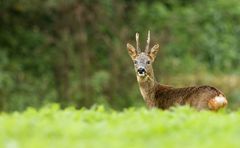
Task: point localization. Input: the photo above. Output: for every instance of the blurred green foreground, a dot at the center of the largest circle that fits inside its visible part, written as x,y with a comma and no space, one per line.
131,128
74,52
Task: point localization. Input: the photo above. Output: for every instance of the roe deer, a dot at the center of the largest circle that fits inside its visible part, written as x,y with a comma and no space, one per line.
163,96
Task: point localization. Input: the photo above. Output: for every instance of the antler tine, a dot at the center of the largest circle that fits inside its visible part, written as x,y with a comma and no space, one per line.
148,42
137,42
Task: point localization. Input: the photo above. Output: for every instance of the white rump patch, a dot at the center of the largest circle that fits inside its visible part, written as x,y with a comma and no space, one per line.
220,99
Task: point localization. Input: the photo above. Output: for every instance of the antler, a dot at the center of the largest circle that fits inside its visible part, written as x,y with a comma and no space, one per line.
148,42
137,43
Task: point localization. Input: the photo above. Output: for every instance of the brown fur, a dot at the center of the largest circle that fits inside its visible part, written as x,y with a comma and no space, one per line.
163,96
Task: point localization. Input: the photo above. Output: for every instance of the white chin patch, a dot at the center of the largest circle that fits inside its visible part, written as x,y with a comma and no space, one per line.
141,74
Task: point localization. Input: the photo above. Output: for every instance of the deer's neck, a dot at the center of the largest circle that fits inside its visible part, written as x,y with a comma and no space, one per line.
147,86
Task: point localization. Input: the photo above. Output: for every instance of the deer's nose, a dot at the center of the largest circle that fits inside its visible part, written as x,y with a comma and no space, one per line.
141,70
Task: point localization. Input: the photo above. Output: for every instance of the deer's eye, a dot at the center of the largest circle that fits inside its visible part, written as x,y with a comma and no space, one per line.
148,62
135,62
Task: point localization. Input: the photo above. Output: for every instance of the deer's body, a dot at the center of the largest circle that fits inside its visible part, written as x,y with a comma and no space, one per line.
163,96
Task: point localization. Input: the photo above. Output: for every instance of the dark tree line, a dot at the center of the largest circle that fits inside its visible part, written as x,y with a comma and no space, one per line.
73,52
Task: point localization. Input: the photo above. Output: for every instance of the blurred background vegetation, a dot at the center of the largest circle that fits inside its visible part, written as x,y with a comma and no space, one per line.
74,52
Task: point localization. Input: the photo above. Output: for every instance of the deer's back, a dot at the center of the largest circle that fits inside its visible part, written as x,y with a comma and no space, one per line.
200,97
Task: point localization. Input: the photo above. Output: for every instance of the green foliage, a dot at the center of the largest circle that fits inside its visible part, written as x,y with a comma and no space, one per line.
207,30
98,127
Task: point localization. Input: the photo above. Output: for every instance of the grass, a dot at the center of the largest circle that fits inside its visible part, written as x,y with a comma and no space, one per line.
179,127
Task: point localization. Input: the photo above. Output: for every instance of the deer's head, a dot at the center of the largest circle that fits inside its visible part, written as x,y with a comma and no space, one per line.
142,60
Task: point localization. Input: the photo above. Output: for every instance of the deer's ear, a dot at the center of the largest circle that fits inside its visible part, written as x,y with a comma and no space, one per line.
132,51
153,51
